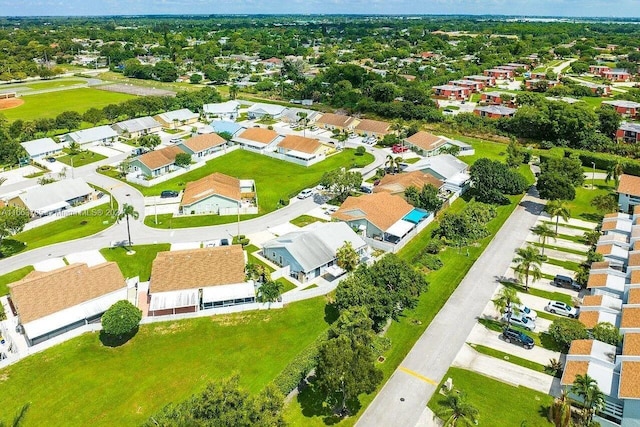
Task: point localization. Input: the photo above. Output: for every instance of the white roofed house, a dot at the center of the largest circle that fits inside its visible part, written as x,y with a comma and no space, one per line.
224,110
137,127
174,119
447,168
57,196
299,116
311,252
190,281
259,110
103,135
40,148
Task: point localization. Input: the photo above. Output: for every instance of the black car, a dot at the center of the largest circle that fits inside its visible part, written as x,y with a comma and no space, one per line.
511,335
166,194
566,282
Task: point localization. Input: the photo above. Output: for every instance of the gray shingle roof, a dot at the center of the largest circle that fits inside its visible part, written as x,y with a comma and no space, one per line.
138,125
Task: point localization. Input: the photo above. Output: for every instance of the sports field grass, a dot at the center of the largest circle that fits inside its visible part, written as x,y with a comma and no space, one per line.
53,84
53,103
83,383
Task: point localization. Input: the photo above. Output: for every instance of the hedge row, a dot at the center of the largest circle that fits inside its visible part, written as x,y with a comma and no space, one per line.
293,374
602,160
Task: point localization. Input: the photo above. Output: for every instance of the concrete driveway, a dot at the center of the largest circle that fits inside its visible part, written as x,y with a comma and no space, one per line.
90,258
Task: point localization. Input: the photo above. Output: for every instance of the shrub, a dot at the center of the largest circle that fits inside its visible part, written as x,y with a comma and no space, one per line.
360,150
563,331
299,368
434,246
122,318
432,262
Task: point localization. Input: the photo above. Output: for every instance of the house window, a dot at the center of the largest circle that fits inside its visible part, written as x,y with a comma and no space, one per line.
280,260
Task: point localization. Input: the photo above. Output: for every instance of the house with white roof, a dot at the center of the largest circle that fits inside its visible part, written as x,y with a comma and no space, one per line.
447,168
103,135
135,128
299,116
40,148
57,196
176,118
259,110
222,110
311,251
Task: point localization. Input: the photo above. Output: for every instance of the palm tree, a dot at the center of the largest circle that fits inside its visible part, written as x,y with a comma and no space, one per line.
504,299
544,232
528,262
457,411
558,209
18,420
614,172
591,237
592,397
560,411
126,212
233,91
270,291
398,128
389,163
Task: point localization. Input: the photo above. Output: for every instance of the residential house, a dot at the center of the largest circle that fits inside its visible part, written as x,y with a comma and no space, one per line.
337,121
311,251
598,70
628,132
222,110
617,75
135,128
398,183
301,148
600,90
625,108
202,146
97,135
51,303
155,163
223,126
190,281
628,192
425,143
54,197
299,116
498,98
516,65
534,84
372,128
258,139
499,73
447,168
451,92
472,85
176,118
539,75
38,149
494,111
218,194
260,110
487,81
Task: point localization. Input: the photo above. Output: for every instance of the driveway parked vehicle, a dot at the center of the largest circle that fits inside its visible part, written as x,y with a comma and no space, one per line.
167,194
526,311
398,148
566,282
307,192
559,307
518,319
51,159
512,336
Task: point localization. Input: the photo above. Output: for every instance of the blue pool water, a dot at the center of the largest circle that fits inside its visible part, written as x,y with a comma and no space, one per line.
416,215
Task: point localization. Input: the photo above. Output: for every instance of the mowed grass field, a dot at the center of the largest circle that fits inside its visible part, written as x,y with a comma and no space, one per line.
53,103
83,383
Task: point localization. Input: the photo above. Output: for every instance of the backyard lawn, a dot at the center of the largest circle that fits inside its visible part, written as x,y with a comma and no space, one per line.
51,104
304,220
498,404
81,382
80,159
581,207
13,276
138,264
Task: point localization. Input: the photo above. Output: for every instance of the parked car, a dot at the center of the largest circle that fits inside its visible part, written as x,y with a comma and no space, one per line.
366,189
512,336
167,194
175,140
526,311
51,159
518,319
559,307
307,192
370,140
566,282
398,148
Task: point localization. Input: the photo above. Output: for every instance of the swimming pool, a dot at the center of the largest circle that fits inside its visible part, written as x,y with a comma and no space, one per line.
416,215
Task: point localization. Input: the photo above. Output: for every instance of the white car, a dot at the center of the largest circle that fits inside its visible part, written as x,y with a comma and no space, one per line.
519,320
558,307
526,311
307,192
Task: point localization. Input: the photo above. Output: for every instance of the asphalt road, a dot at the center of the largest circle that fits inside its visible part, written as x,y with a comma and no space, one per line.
405,395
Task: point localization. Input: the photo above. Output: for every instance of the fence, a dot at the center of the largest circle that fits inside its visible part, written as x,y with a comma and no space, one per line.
393,248
297,161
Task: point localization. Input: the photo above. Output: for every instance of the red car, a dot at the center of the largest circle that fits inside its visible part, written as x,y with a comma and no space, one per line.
399,148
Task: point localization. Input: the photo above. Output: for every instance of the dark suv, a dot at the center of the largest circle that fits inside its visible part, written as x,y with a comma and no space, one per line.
167,194
511,335
566,282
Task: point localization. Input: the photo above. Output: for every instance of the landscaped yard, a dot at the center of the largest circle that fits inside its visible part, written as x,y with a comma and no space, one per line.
525,363
498,404
138,264
81,382
80,159
581,207
51,104
13,276
304,220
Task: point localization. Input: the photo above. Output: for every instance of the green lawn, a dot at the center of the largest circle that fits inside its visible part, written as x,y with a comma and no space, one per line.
483,148
81,382
13,276
507,357
569,265
557,248
167,221
71,227
498,403
53,103
555,296
56,83
138,264
581,206
304,220
80,159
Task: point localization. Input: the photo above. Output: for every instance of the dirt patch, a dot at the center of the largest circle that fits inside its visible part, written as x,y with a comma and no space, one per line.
231,319
4,377
10,103
171,328
136,90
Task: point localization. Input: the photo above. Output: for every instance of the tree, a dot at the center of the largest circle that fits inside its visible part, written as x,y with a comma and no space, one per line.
457,412
341,182
12,220
605,203
346,257
606,332
558,209
593,398
528,261
544,232
19,418
233,91
515,154
258,272
195,78
560,411
608,120
126,212
427,198
554,186
93,115
165,71
217,75
493,179
121,319
614,172
68,120
504,299
270,291
183,160
150,141
570,167
74,148
591,237
564,331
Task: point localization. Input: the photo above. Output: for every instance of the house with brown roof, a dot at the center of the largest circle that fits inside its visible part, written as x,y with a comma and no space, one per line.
301,150
204,146
372,128
425,143
628,193
397,183
258,139
333,121
52,303
219,194
156,162
193,280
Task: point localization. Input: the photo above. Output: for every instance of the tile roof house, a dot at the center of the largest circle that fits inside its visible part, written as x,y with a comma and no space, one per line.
156,162
202,146
137,127
425,143
218,194
54,197
375,128
628,192
54,302
176,118
258,139
97,135
397,183
311,251
41,148
301,148
337,121
192,280
628,132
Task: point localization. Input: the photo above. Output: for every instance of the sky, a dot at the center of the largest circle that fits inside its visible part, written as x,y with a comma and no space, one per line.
574,8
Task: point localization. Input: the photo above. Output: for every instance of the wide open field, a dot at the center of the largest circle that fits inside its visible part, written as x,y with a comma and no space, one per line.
53,103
